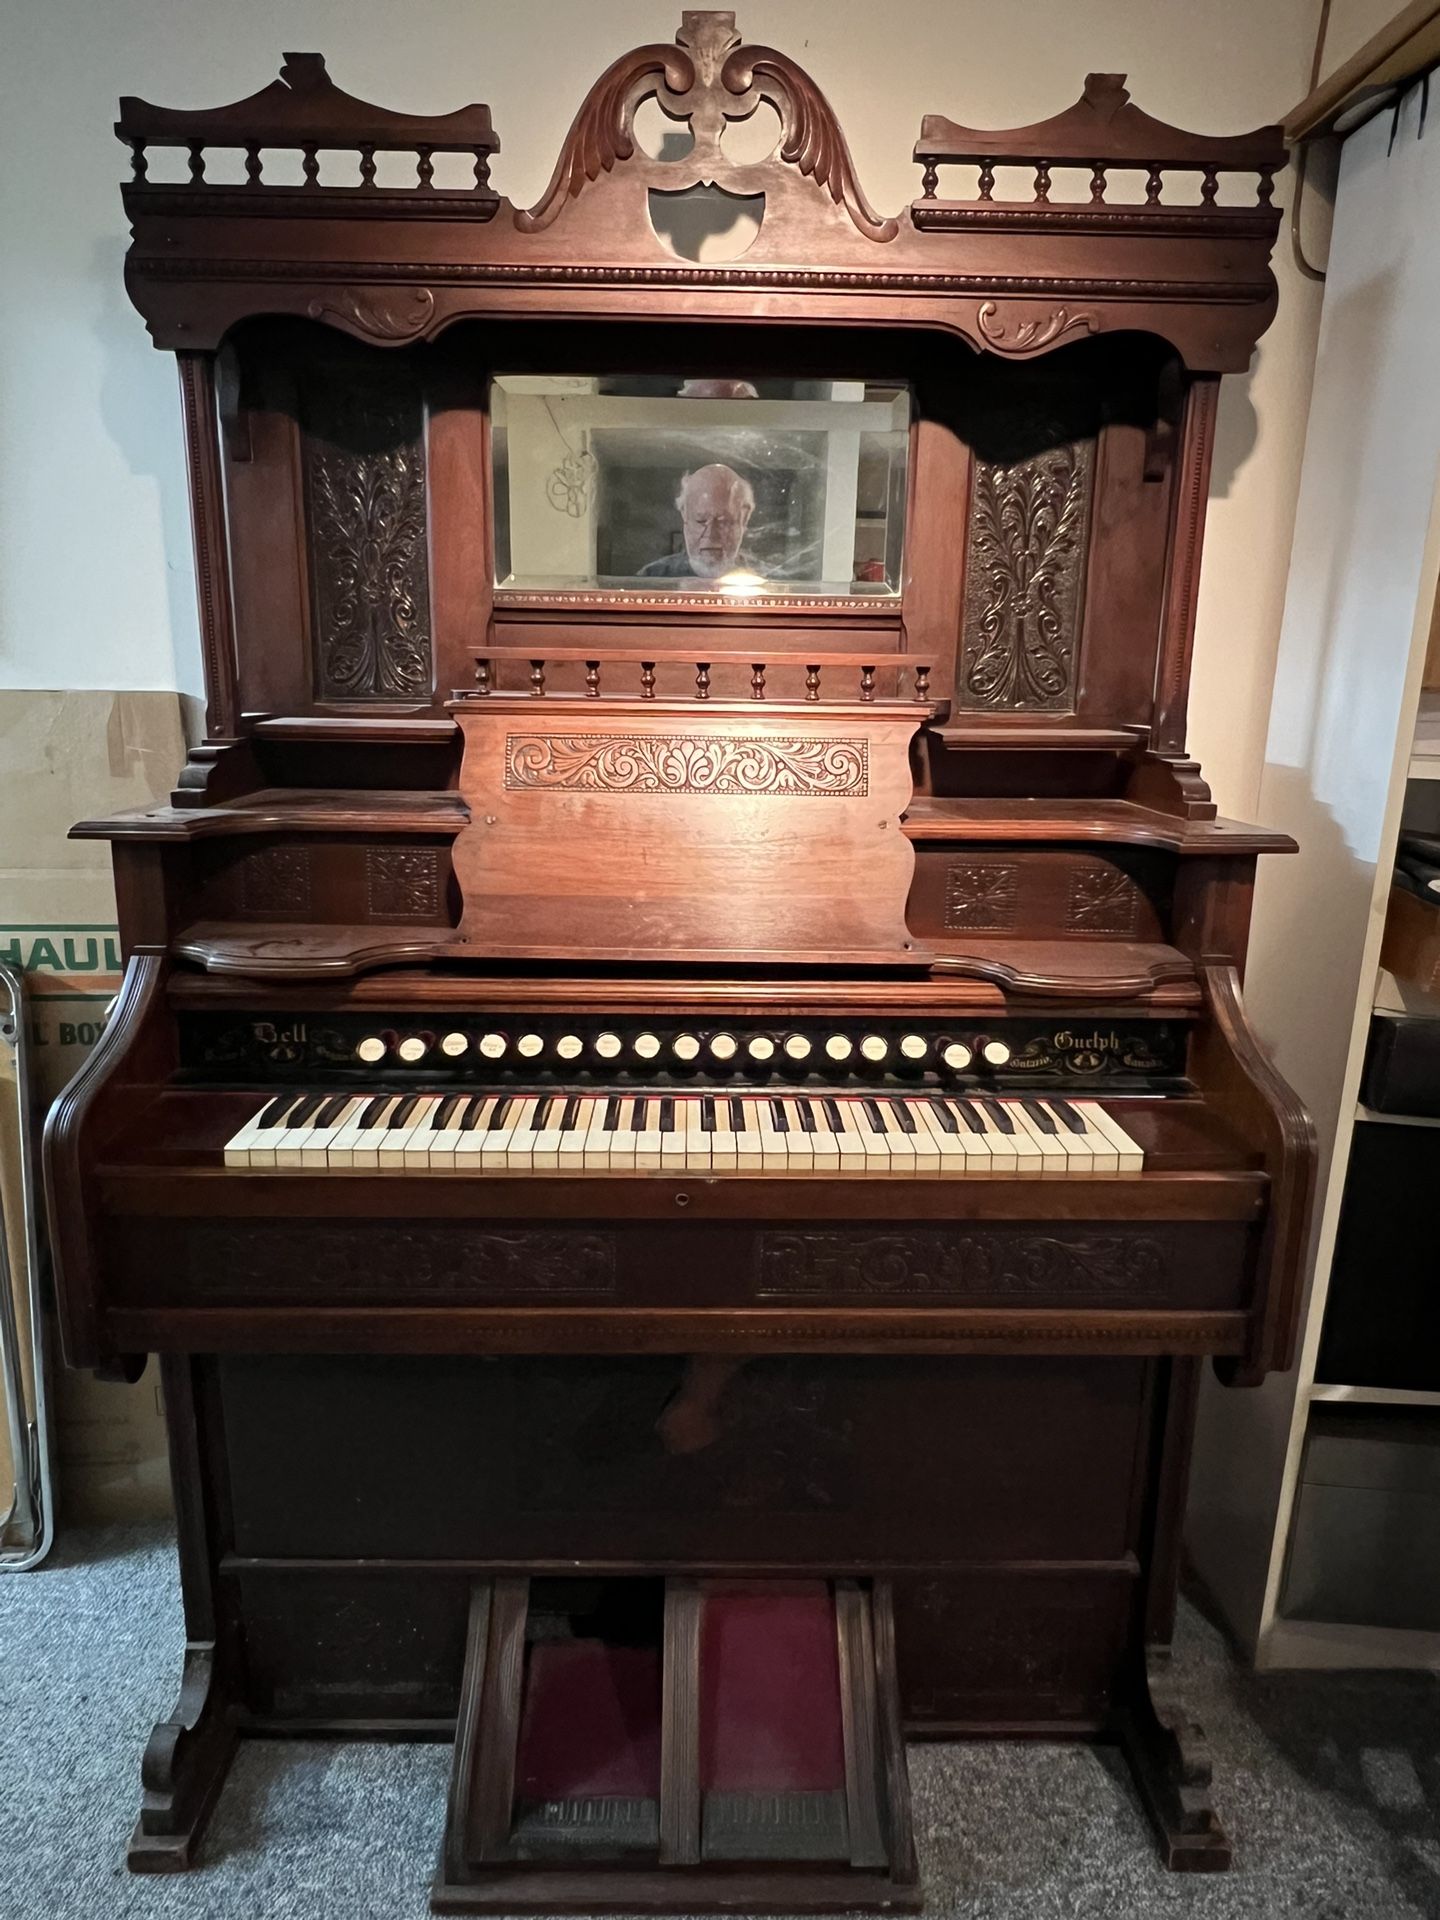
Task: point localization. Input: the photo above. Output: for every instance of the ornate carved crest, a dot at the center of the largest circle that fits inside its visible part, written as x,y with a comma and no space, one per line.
708,79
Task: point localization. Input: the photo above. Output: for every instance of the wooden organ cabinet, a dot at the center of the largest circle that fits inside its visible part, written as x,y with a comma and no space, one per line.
681,1115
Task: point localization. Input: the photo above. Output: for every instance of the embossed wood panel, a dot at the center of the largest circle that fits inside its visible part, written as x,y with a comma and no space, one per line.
365,497
1040,893
1026,549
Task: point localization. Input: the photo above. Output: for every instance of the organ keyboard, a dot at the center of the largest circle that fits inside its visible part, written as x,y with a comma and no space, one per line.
623,1132
801,975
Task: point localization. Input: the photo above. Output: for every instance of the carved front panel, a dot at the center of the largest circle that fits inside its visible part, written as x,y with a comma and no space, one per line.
1024,581
308,1263
365,500
982,895
937,1263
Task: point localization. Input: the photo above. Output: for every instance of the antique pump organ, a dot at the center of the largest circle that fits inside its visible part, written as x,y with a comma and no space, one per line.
681,1116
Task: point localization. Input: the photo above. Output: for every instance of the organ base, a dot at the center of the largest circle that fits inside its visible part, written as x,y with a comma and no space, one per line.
1032,1562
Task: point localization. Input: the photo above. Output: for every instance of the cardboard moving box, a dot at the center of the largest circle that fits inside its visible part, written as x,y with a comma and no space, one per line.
68,756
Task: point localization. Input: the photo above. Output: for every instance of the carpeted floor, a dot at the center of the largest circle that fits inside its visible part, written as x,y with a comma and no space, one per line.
1330,1787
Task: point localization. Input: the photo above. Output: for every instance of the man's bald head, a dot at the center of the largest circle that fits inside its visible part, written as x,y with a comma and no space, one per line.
715,506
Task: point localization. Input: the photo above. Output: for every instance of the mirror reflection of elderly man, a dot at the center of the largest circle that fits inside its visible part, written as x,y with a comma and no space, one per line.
715,506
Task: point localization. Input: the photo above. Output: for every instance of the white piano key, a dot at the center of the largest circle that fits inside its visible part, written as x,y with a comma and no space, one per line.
545,1151
315,1152
470,1147
951,1157
898,1140
571,1155
697,1141
441,1142
648,1137
238,1147
623,1136
824,1148
923,1141
745,1128
1012,1152
598,1135
503,1120
672,1144
1130,1156
519,1147
265,1141
1102,1155
873,1144
394,1145
774,1145
801,1143
1053,1157
724,1147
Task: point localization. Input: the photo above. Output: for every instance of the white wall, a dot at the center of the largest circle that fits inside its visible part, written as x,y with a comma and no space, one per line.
95,581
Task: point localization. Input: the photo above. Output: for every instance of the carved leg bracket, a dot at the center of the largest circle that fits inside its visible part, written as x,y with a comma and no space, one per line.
185,1763
1170,1762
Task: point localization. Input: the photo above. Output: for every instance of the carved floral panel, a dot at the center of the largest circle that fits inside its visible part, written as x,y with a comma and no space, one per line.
687,763
1103,899
402,883
981,896
940,1263
365,489
275,883
1024,580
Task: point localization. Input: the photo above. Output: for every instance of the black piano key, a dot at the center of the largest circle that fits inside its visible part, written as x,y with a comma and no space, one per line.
901,1111
1073,1120
374,1114
502,1111
274,1113
831,1110
996,1112
612,1114
874,1116
968,1115
779,1116
541,1116
570,1113
707,1113
304,1112
474,1107
667,1114
444,1114
403,1111
637,1116
332,1109
1045,1121
807,1116
737,1115
941,1110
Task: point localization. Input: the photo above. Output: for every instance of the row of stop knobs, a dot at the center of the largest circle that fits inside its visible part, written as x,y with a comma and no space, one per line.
760,1048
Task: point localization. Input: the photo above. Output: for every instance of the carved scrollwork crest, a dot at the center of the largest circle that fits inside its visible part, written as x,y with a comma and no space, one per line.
401,313
708,78
1027,336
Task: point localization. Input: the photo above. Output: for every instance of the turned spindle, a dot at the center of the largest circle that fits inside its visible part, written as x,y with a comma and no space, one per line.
592,679
482,676
757,680
537,678
647,679
867,683
812,683
702,680
922,683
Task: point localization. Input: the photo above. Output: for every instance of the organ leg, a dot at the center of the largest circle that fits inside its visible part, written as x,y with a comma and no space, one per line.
1166,1750
188,1754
